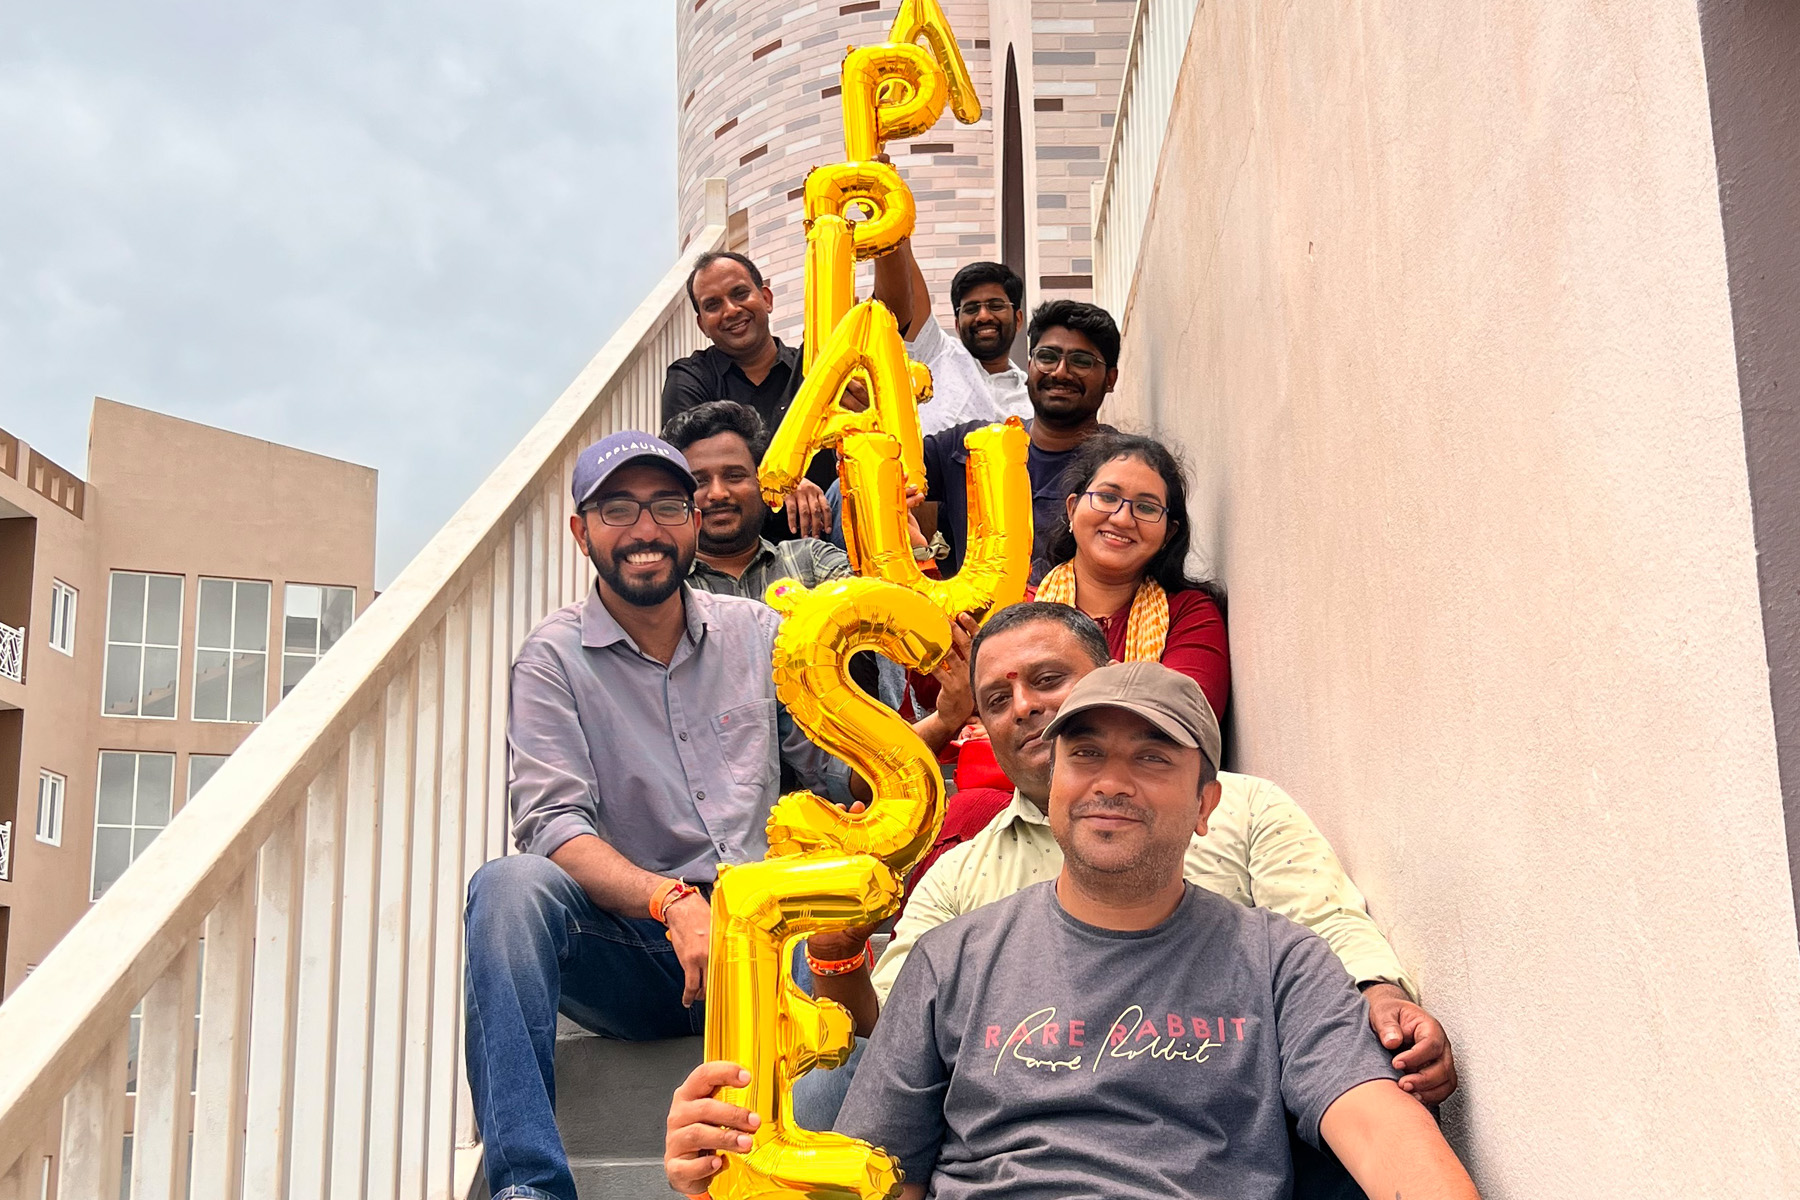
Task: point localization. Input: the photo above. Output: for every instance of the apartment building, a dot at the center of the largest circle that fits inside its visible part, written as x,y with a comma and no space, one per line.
150,616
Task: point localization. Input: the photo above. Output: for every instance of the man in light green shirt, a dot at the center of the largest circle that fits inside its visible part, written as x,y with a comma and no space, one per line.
1260,850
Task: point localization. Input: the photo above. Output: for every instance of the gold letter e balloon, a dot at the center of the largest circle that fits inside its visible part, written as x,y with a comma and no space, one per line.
828,869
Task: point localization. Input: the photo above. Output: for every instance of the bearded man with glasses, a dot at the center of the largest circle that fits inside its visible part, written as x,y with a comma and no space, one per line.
644,746
1073,365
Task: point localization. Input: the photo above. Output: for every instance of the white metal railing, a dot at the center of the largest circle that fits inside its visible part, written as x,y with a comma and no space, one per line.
12,653
325,865
6,849
1121,199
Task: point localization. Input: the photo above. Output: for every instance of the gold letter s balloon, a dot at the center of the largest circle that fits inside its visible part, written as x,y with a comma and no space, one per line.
829,869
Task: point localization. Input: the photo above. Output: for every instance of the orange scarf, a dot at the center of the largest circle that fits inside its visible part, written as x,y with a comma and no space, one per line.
1146,630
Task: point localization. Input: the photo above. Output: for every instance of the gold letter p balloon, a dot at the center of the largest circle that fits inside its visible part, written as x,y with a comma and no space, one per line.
828,869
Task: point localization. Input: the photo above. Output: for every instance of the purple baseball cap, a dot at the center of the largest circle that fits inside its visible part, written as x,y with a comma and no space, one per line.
596,464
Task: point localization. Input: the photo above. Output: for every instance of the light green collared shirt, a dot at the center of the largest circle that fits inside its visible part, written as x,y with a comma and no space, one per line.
1259,850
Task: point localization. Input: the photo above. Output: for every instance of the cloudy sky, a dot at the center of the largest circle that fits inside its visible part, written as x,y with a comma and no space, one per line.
382,231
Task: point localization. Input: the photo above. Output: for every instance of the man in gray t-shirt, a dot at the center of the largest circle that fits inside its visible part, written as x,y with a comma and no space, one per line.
1165,1060
1117,1031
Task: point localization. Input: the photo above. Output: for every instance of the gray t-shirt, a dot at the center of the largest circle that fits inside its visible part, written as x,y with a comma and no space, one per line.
1024,1053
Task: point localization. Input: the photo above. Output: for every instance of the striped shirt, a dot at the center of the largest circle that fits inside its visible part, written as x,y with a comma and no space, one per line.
808,560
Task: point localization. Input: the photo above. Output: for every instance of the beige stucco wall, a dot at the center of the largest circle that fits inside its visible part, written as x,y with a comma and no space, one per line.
1435,298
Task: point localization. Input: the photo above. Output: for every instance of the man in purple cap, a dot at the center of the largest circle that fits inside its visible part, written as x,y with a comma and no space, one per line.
645,743
645,748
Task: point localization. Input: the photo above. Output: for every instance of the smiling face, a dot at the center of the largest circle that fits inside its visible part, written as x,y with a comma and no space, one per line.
1126,799
1021,678
1119,544
987,335
1064,396
730,501
643,563
732,311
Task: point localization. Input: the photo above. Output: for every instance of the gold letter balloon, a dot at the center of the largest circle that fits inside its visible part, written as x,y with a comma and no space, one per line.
829,869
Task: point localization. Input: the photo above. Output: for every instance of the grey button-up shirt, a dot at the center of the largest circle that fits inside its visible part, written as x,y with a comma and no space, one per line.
675,767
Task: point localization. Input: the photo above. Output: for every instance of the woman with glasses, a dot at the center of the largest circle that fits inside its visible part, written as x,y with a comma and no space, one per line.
1120,556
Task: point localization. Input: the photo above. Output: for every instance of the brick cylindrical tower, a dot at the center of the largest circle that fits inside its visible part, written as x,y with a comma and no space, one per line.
758,93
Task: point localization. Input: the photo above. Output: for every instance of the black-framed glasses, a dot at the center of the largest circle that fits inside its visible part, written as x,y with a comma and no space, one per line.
974,308
623,510
1079,360
1147,511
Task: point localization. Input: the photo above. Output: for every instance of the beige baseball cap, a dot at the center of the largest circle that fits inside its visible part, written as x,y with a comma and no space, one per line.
1167,699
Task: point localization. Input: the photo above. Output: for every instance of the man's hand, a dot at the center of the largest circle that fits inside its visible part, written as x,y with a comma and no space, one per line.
855,397
690,925
914,498
1428,1064
808,512
956,699
700,1126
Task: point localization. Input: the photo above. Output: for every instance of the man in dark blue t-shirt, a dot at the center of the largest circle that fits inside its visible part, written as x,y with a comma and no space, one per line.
1116,1031
1073,364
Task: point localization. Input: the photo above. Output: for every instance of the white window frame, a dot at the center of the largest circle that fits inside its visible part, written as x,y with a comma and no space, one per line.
63,599
194,758
232,651
142,645
312,654
55,787
137,757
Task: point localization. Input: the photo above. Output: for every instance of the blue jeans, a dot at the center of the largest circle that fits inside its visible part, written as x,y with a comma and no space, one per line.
537,945
819,1094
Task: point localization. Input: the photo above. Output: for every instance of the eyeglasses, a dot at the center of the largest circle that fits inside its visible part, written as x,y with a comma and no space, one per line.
623,510
1048,356
974,308
1147,511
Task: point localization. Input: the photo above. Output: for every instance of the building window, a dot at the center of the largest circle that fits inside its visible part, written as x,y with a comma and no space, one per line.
50,807
316,618
143,643
202,767
130,809
231,651
62,617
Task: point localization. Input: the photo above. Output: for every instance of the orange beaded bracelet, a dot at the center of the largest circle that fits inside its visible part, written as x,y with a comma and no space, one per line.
667,893
841,966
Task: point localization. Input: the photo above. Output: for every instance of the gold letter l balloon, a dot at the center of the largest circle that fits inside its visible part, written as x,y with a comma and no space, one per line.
829,869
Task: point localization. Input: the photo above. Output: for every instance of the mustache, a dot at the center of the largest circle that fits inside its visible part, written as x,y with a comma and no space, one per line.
1109,806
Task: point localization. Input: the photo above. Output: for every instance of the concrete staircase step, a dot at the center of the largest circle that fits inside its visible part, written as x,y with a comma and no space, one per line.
620,1179
612,1100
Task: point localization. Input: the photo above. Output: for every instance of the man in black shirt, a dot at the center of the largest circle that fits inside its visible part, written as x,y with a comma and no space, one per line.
748,364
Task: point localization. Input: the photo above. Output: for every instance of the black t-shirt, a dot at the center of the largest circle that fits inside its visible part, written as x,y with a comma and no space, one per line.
710,374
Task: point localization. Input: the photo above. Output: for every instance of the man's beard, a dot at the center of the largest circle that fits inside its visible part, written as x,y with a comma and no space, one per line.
1151,867
650,593
749,531
987,353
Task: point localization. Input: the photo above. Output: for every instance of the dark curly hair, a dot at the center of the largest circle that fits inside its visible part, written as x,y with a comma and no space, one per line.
1089,320
1169,566
702,421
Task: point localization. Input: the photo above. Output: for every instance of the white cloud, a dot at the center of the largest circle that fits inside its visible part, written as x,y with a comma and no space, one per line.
386,232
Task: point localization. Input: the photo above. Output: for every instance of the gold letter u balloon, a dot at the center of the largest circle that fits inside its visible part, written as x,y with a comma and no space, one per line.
828,869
